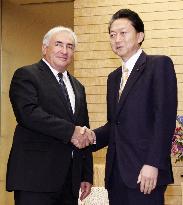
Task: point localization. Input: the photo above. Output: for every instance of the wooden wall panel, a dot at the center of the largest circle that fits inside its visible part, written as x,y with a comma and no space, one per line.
94,59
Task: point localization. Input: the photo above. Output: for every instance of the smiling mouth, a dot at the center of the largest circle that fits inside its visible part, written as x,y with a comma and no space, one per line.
63,58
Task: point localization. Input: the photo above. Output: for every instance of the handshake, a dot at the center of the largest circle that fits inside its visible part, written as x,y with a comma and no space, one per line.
83,137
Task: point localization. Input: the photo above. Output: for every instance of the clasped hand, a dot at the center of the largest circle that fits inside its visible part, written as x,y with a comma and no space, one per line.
83,137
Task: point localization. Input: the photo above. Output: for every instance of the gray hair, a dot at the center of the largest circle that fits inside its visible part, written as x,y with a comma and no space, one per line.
58,29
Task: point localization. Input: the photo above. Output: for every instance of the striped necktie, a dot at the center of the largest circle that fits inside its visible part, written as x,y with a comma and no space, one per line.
124,79
65,92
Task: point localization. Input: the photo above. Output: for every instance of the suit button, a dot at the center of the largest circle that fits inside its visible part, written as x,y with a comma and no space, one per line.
117,123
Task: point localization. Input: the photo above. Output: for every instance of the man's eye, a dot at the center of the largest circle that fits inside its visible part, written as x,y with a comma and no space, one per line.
58,44
112,35
70,47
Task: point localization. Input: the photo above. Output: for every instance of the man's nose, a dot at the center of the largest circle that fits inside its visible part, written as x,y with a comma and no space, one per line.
64,49
119,37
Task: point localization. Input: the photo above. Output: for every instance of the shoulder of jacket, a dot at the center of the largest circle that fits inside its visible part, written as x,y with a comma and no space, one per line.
28,70
76,81
158,57
115,72
29,67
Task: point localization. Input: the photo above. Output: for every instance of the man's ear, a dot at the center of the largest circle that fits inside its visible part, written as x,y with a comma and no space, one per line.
44,47
141,36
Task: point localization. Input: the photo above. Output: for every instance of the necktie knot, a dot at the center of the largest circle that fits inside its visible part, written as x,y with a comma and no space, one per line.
124,75
61,79
125,69
60,75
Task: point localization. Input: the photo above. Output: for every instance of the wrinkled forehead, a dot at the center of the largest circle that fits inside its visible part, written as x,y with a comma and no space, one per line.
63,36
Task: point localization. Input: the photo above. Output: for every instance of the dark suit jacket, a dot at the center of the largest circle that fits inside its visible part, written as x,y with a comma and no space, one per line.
140,127
41,152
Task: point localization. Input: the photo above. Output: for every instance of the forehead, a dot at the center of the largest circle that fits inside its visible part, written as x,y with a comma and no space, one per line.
121,24
63,36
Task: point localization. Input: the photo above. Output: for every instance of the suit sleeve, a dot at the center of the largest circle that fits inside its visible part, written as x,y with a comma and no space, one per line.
29,114
87,169
102,133
102,137
165,108
87,172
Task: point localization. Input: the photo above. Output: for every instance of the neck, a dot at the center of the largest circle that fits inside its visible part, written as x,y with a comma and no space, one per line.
59,69
125,59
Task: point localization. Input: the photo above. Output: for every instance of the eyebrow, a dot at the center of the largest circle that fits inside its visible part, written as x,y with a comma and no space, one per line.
70,44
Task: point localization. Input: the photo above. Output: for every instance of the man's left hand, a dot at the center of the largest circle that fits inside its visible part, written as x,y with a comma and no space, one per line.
85,190
148,178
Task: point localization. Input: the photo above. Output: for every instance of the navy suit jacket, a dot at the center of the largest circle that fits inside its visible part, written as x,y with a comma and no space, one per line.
140,126
41,152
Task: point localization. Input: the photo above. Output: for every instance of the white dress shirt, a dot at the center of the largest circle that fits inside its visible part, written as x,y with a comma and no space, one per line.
67,84
131,61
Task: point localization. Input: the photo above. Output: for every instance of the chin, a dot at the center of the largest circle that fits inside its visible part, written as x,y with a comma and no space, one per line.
120,54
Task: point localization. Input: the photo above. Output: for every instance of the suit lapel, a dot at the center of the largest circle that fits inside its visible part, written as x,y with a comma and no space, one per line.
50,79
116,85
77,93
134,76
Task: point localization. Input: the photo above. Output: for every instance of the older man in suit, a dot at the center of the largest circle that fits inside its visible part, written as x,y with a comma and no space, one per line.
141,116
45,167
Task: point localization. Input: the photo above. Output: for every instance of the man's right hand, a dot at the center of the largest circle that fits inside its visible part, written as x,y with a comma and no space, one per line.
83,137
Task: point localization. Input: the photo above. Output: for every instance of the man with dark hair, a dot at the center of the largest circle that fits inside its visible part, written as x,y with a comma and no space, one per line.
141,117
45,167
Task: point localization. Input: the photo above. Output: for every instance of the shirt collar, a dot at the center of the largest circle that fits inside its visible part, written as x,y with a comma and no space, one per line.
55,72
132,60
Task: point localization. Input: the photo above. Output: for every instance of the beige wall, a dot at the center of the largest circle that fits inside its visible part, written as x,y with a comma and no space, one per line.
23,27
94,59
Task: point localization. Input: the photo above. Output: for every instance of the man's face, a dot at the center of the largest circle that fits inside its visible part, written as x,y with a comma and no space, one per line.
124,38
60,50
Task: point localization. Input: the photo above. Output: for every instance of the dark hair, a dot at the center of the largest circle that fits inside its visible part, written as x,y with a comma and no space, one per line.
136,21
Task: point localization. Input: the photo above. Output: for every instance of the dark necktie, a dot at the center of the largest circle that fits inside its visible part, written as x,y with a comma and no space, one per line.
64,90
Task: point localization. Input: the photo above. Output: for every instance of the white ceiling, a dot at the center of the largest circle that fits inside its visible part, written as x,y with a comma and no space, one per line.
37,1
